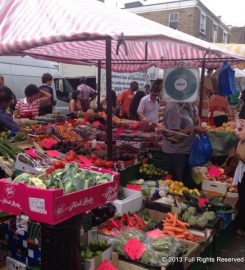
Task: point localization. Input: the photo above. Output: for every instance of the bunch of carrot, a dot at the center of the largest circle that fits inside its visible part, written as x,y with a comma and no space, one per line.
172,226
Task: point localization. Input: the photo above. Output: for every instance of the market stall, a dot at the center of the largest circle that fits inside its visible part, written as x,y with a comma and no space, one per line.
104,35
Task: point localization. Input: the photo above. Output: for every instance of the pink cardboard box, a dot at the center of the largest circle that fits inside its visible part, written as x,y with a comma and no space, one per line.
52,206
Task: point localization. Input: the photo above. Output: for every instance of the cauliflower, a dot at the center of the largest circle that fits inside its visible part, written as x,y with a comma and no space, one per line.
192,220
201,222
192,210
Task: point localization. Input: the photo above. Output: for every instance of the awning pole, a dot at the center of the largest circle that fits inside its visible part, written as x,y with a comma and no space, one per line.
202,85
99,84
108,98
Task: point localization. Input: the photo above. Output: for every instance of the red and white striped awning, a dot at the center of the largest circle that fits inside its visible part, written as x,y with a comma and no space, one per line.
58,29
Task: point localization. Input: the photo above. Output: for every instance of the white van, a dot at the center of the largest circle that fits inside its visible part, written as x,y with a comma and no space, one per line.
18,72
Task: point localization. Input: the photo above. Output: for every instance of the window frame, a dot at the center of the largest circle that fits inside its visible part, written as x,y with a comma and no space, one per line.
203,15
173,21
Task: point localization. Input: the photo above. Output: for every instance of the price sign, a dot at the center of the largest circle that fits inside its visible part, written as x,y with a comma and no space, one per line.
155,234
106,266
134,248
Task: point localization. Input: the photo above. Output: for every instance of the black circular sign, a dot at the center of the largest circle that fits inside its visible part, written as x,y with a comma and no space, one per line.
180,84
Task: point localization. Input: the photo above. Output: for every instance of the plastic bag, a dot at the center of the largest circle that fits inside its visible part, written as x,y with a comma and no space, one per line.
201,151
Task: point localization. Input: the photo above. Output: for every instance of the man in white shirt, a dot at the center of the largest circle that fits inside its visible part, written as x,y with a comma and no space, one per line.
149,106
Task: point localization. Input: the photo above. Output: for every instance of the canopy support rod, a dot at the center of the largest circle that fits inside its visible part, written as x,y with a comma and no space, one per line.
108,98
146,50
202,84
99,85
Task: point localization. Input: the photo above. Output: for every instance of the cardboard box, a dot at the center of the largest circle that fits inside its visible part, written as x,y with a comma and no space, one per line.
121,264
214,186
95,262
232,195
193,251
52,206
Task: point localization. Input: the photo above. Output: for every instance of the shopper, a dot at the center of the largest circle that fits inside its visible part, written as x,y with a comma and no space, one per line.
47,80
239,181
88,94
219,109
135,104
126,97
242,105
147,88
179,117
29,106
6,121
149,106
75,102
114,103
14,100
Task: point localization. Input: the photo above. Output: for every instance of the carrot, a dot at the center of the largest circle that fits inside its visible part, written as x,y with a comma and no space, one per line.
181,236
169,228
169,233
179,230
174,220
183,224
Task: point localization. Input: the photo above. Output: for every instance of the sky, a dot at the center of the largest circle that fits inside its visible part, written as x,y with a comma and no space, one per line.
231,11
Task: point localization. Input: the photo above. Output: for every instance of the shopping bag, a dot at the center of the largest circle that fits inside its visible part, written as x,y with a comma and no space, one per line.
201,151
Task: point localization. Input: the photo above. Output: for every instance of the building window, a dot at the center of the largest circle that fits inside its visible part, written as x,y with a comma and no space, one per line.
173,20
215,32
203,23
225,37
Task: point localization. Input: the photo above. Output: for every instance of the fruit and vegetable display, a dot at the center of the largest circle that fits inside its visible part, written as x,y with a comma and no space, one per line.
177,187
130,220
8,151
173,226
195,219
149,171
66,133
70,179
95,248
203,203
155,251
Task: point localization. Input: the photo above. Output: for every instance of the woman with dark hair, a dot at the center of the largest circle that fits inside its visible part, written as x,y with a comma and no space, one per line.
29,106
114,103
219,109
135,104
75,102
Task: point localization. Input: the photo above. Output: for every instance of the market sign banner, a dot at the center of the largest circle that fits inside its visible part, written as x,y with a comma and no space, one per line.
121,81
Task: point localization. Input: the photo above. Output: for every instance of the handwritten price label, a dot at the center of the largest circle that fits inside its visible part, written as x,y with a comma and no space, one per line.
134,248
106,266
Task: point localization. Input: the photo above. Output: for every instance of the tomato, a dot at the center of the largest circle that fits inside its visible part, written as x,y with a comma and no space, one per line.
109,164
103,163
93,156
97,163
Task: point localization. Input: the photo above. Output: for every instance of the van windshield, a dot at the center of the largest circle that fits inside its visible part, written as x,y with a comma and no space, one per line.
63,89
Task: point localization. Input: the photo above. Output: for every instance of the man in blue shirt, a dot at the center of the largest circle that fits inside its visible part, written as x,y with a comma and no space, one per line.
6,121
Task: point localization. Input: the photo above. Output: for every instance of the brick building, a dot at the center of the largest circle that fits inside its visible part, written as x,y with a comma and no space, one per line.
237,35
189,16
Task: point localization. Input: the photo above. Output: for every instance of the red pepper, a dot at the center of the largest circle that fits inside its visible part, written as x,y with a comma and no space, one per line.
130,221
141,223
114,223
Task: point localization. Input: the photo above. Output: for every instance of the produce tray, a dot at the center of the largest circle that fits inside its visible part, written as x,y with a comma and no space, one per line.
53,206
160,207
